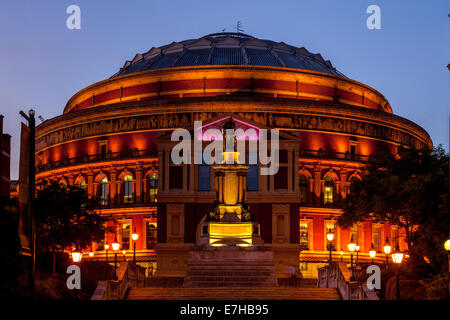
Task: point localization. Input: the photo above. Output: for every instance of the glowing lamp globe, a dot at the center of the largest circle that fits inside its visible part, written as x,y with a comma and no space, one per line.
134,235
330,236
124,252
397,256
447,245
351,246
357,247
115,246
76,256
106,246
91,254
372,252
387,247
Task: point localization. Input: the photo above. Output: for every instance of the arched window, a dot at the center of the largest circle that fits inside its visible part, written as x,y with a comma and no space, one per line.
353,180
126,227
153,187
63,183
303,187
328,192
82,184
150,235
280,225
104,191
128,189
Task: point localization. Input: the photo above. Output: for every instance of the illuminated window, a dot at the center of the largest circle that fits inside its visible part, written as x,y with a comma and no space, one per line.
150,235
83,184
153,187
303,187
353,145
103,148
304,235
63,183
104,191
303,266
376,237
330,227
128,189
354,233
100,245
328,192
394,236
126,236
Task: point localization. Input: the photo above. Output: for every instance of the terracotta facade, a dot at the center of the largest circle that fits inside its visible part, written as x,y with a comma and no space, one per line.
117,129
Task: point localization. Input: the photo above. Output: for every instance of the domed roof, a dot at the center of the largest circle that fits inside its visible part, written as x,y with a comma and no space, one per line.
227,49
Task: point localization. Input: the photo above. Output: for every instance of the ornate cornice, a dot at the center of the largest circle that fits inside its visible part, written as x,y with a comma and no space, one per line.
275,113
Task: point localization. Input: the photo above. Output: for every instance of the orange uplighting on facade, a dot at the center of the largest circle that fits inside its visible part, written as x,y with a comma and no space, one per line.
115,136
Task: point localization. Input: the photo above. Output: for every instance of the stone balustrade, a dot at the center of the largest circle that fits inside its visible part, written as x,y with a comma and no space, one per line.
128,274
337,276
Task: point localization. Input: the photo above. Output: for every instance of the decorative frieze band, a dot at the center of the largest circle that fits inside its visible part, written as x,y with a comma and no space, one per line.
185,120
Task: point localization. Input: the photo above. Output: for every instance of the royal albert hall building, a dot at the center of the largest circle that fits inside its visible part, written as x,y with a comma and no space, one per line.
113,139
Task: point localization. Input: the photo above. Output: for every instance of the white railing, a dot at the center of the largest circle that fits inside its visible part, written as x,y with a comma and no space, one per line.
333,277
128,274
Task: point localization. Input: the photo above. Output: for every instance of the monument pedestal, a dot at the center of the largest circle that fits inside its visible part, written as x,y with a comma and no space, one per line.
230,266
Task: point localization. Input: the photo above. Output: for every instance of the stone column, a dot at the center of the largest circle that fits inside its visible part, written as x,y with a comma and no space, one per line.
317,184
119,192
138,187
112,191
90,185
144,196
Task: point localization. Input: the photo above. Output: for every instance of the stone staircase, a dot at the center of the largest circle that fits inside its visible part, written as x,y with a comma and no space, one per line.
230,268
232,293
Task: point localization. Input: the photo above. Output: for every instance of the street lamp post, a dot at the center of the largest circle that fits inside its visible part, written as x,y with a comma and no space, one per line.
124,252
106,249
372,252
330,237
76,258
115,247
134,236
397,258
342,255
351,247
387,250
447,248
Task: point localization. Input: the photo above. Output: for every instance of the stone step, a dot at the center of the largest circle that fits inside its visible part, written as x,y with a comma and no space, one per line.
229,273
299,283
232,293
222,277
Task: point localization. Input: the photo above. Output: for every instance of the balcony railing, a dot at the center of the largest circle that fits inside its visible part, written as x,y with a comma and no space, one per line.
333,155
89,158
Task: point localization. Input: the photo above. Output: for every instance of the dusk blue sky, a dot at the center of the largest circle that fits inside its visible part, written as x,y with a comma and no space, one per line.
42,63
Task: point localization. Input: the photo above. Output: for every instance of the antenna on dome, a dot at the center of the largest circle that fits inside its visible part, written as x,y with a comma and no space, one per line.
239,28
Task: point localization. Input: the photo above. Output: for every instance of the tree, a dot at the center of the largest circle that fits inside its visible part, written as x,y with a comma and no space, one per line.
410,190
66,219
